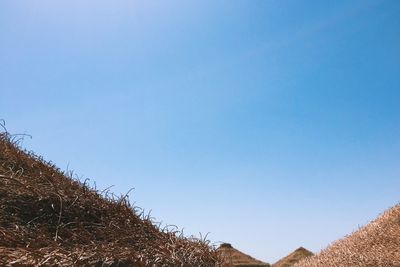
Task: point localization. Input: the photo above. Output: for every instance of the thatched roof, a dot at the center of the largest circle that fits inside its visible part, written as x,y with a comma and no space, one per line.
46,217
234,257
294,257
375,245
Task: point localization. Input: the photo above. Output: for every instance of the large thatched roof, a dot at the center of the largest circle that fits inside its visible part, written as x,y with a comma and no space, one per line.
375,245
48,218
294,257
236,258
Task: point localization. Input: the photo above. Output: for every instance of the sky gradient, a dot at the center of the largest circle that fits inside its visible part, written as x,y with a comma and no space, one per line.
269,124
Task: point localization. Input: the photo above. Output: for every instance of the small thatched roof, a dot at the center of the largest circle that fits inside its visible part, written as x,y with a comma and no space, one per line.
236,258
376,245
294,257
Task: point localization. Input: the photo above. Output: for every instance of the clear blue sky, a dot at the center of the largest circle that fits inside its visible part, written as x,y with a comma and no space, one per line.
270,124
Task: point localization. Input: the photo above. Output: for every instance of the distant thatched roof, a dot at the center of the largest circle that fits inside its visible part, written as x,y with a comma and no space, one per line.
375,245
236,258
293,257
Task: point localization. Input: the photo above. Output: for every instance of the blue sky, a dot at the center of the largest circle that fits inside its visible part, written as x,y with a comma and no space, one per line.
269,124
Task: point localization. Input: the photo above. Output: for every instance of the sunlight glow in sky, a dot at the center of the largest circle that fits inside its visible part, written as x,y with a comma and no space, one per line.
269,124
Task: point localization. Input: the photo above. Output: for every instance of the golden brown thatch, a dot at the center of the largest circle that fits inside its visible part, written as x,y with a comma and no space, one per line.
236,258
375,245
47,218
294,257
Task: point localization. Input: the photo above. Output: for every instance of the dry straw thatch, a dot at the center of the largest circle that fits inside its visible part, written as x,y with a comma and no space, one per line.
294,257
375,245
48,218
235,258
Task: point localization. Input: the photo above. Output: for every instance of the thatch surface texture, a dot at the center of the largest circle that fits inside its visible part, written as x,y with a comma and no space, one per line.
375,245
48,218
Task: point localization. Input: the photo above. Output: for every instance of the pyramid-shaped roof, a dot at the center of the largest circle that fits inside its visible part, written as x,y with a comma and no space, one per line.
293,257
236,258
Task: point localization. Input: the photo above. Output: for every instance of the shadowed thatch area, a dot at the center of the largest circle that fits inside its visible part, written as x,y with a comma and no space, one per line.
235,258
294,257
375,245
48,218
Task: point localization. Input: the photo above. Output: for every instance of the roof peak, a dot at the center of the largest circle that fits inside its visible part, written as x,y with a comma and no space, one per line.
226,245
